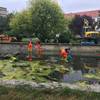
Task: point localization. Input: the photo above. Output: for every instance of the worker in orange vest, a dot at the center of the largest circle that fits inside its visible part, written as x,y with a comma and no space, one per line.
30,51
63,54
38,48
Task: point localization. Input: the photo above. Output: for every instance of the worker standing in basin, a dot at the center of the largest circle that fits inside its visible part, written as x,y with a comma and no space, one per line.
69,57
30,50
64,54
38,48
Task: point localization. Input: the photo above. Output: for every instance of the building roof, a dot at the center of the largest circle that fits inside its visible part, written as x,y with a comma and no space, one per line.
93,13
3,11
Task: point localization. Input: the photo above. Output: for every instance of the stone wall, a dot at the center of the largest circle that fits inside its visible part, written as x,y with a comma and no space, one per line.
12,48
51,85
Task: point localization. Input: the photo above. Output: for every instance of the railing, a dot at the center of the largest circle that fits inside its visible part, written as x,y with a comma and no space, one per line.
58,44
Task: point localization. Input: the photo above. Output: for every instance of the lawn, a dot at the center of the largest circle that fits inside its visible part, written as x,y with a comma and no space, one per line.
27,93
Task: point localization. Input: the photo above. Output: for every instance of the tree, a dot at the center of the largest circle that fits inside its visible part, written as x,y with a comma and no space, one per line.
77,25
47,19
42,17
9,17
3,22
21,24
66,35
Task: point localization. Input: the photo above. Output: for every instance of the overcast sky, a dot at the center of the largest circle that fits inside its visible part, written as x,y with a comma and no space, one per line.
67,6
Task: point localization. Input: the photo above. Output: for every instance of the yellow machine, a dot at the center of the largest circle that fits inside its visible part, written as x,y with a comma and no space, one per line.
92,34
90,37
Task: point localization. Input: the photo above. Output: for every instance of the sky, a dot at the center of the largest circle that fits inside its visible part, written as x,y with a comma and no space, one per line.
68,6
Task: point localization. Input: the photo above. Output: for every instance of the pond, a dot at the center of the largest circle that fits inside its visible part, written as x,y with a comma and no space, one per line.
44,71
35,70
92,61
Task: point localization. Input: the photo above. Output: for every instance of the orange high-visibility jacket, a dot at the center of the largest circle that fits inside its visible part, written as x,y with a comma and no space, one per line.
63,53
30,46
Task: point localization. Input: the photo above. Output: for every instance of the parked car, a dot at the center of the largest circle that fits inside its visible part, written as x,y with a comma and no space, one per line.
87,43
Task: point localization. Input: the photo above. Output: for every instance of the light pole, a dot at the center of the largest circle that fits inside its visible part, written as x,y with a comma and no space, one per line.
57,37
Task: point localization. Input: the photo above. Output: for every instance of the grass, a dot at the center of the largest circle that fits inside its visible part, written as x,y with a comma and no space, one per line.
27,93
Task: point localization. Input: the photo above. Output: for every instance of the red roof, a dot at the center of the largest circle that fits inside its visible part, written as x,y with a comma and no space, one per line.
93,13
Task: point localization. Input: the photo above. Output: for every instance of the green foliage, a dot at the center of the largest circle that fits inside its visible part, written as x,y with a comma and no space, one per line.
3,90
28,39
8,29
21,24
47,19
65,37
25,92
3,22
42,17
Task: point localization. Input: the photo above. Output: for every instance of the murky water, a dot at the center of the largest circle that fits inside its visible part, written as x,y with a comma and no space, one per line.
80,61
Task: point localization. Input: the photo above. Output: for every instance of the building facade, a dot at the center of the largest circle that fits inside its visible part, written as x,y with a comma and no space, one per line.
93,14
3,11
